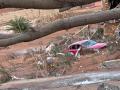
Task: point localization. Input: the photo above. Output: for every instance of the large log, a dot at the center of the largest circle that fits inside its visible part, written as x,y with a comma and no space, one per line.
64,81
42,4
5,36
63,24
47,20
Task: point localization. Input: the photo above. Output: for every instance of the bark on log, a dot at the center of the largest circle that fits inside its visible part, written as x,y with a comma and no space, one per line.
41,4
63,24
6,36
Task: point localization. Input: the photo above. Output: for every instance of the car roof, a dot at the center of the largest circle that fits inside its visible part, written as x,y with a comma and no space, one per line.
78,42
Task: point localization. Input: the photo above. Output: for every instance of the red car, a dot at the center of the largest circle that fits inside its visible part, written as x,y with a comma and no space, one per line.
75,48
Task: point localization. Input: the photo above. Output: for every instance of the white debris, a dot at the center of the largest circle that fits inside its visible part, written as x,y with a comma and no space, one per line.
16,78
40,63
81,66
86,82
49,49
61,54
50,59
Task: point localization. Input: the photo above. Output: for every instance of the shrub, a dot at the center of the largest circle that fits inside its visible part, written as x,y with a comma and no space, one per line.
19,25
4,76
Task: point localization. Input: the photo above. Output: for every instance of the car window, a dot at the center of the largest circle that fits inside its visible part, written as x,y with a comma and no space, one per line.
88,43
76,46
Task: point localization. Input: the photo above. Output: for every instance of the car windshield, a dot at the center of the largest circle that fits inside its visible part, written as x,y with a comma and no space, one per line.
76,46
88,43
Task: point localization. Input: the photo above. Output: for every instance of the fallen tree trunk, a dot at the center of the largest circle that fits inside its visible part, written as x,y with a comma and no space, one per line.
63,24
64,81
48,20
42,4
6,36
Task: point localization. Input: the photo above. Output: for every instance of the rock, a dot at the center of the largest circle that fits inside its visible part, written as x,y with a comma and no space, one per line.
111,64
105,86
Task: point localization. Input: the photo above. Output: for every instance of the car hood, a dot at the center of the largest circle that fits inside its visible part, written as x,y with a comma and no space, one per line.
98,45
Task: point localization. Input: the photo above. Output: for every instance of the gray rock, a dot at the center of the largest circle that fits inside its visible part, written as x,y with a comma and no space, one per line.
105,86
